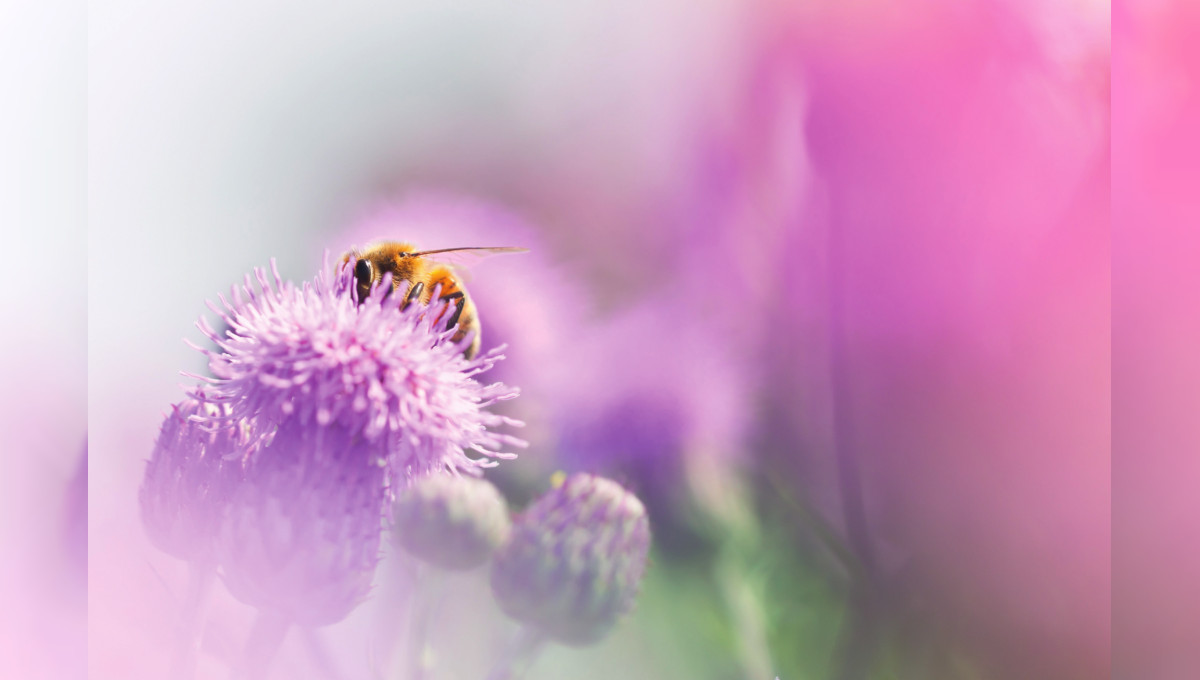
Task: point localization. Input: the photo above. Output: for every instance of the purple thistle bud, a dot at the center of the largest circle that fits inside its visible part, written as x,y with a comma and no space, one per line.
301,536
189,478
314,356
575,561
451,522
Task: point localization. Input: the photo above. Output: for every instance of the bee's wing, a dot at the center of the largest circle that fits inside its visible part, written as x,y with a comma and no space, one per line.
461,259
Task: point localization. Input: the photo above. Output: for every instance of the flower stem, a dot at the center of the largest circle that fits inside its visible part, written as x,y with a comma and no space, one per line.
745,608
263,643
318,651
519,656
393,620
430,583
861,629
187,632
812,520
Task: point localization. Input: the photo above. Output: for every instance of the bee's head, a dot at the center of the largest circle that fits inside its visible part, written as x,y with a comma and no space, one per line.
389,257
364,276
365,272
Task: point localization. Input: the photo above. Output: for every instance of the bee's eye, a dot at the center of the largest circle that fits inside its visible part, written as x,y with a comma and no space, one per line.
364,273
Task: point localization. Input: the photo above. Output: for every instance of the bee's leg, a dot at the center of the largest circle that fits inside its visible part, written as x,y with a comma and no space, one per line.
414,291
459,303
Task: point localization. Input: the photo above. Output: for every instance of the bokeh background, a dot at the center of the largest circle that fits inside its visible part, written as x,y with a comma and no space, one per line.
826,283
43,347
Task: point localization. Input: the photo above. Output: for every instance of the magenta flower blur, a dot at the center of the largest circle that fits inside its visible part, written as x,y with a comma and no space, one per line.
679,395
313,355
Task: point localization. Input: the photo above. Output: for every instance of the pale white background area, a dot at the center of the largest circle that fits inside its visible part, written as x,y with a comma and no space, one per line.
43,334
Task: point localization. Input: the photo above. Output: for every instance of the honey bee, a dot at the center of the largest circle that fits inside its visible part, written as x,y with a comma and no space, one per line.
424,271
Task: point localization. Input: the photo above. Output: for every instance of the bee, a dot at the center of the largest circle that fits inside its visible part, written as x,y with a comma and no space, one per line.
424,271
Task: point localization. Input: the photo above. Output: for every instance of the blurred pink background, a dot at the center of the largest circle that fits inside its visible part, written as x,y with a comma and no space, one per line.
1156,330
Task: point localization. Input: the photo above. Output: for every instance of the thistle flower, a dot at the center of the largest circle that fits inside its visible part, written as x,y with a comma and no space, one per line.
313,356
575,561
191,473
530,303
451,522
301,535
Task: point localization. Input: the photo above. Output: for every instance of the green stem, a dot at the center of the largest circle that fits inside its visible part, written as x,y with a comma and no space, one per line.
861,631
817,524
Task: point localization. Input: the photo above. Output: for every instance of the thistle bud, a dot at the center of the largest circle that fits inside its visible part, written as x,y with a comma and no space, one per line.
451,522
575,561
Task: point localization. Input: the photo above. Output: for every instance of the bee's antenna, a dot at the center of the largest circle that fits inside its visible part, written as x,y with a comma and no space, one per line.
455,250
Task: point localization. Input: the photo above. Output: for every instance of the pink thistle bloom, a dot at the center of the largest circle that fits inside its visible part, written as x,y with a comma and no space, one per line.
324,405
314,356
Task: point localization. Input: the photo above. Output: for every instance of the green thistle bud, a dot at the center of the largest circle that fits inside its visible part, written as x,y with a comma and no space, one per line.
575,561
451,522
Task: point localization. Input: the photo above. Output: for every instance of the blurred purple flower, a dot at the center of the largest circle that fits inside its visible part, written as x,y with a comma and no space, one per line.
188,481
661,389
301,535
528,303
